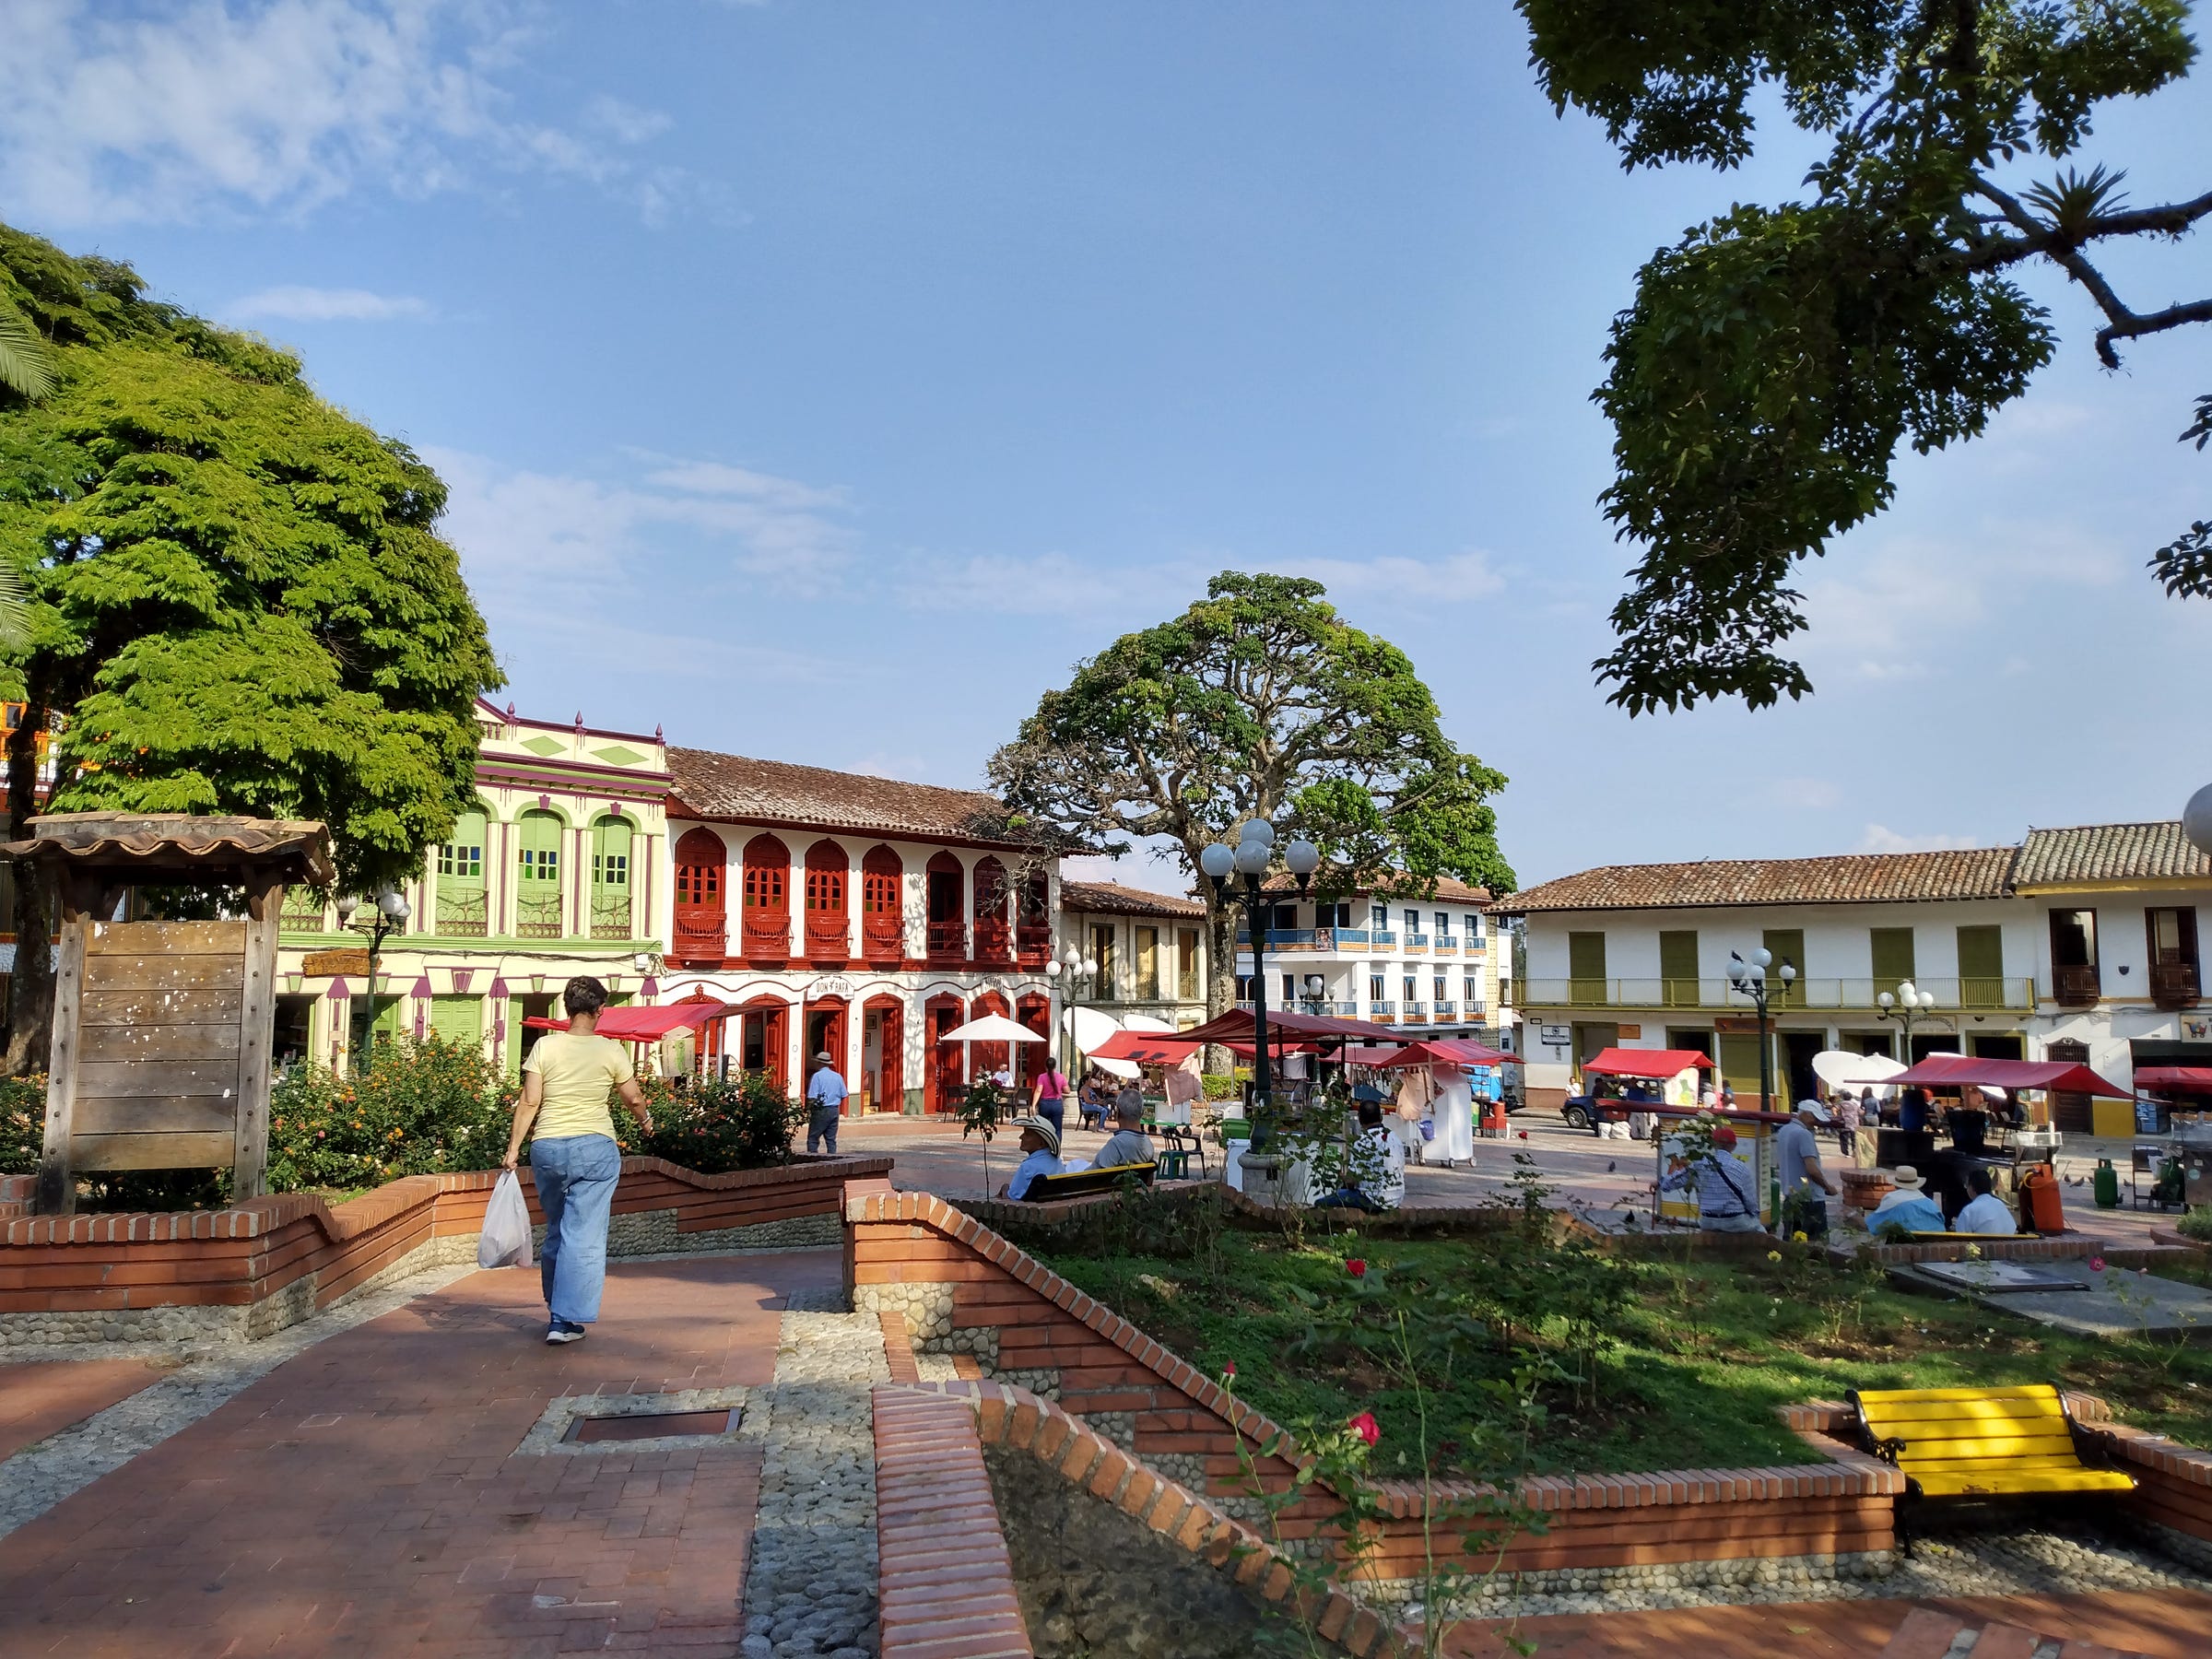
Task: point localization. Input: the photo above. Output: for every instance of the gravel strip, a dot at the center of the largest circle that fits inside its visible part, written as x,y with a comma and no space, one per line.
811,1591
40,1476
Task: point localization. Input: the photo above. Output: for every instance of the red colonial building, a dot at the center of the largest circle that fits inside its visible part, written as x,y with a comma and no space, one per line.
860,915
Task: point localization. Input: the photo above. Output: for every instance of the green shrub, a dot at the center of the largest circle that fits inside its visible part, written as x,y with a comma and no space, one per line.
22,1124
1219,1086
717,1125
2196,1223
421,1108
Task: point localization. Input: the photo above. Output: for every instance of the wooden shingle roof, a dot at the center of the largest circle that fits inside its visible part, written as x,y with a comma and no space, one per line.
738,789
1112,899
1847,878
2154,851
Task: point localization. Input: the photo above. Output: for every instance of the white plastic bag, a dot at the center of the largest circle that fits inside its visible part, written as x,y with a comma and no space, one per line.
505,1241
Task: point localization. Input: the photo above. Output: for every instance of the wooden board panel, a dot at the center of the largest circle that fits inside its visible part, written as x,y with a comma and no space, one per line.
56,1192
257,1031
164,974
158,1114
104,1043
167,938
152,1151
322,964
116,1080
221,1006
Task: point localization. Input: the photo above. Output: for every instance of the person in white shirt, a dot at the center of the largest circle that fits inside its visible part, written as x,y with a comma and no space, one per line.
1985,1213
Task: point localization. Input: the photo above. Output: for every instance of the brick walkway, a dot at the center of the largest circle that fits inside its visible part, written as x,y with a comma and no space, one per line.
43,1397
2165,1623
364,1498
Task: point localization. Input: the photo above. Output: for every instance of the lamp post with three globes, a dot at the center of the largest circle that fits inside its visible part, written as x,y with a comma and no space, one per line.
1250,858
1909,1004
1750,979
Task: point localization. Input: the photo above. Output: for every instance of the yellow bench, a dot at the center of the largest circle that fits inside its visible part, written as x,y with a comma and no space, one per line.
1980,1442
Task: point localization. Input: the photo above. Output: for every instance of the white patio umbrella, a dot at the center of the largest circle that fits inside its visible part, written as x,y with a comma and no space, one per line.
1091,1028
1840,1068
1143,1022
992,1027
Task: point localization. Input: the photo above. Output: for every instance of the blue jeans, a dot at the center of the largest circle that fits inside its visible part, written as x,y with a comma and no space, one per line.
1054,1111
576,1176
821,1125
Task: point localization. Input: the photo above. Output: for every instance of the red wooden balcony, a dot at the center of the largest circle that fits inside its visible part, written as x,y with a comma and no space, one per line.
2173,984
2076,987
947,941
994,940
702,935
827,938
1032,943
767,936
881,939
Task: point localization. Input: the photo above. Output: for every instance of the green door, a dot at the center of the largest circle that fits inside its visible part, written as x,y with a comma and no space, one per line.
1739,1064
462,912
1586,970
1679,969
610,878
1981,967
537,871
1892,957
458,1019
1785,944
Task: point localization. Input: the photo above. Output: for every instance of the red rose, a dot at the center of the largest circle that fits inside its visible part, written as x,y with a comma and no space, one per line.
1523,1135
1229,1370
1356,1267
1366,1428
2096,1264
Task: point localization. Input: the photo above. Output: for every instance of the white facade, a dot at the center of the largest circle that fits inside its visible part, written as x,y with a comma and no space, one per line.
1423,963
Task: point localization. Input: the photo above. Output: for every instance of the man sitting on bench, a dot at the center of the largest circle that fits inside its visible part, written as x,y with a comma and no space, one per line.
1041,1156
1128,1143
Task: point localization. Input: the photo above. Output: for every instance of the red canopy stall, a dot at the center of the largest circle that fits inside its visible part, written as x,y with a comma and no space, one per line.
1650,1063
628,1024
1961,1071
1448,1051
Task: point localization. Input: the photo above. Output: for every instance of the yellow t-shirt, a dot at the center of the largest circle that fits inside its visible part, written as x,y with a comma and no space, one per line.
578,1075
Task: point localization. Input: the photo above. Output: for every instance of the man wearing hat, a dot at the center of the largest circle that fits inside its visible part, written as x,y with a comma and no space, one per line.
1726,1201
1906,1205
1039,1155
826,1093
1797,1162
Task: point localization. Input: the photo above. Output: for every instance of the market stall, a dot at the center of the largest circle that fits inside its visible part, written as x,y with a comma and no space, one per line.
1443,1078
1639,1079
1967,1136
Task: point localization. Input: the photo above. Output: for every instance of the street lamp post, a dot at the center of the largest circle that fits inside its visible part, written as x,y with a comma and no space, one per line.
1750,977
391,913
1910,1004
1078,971
1250,857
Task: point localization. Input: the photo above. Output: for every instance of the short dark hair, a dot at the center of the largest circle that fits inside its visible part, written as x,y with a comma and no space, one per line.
583,995
1371,1114
1978,1180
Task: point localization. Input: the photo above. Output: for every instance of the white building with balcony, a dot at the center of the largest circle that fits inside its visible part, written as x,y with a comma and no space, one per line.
1149,947
1427,964
2078,944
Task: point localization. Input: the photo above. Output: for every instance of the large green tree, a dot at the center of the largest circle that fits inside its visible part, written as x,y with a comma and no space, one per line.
238,601
1776,358
1258,702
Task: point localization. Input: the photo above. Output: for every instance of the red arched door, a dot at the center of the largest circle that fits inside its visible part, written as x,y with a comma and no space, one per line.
825,1031
702,922
985,1058
762,1044
993,932
828,927
943,1077
1033,926
883,1054
767,913
1036,1013
882,906
947,927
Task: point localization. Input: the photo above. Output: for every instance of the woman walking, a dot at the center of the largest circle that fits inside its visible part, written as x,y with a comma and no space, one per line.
1048,1098
573,1157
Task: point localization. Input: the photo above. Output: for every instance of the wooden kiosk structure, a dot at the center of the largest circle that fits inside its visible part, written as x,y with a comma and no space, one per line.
162,1030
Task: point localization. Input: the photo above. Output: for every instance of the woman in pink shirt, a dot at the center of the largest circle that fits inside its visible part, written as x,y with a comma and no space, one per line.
1048,1097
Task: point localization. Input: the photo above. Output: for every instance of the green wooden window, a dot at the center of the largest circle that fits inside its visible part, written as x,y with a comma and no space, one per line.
302,910
1981,967
538,872
1893,957
458,1019
1679,969
611,840
461,906
1586,968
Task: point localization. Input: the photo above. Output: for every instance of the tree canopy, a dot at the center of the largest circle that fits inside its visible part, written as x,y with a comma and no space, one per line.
1258,702
1775,359
238,599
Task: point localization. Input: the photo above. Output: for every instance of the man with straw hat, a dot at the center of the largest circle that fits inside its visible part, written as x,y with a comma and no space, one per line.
1907,1206
826,1093
1039,1155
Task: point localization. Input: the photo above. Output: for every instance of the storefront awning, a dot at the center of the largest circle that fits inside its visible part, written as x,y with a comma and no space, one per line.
2181,1080
1645,1063
1236,1027
628,1024
1958,1071
1450,1050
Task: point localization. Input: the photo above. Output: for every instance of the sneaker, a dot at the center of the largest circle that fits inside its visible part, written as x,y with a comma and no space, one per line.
561,1330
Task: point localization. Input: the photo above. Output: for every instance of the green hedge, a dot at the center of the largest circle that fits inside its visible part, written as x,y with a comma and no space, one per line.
22,1123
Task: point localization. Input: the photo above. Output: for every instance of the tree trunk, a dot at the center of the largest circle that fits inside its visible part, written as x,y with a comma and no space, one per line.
31,995
1221,985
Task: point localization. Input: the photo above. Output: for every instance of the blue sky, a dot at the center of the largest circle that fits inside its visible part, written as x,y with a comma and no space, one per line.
820,381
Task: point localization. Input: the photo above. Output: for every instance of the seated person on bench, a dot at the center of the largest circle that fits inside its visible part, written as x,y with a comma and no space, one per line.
1382,1155
1041,1156
1128,1143
1907,1206
1985,1213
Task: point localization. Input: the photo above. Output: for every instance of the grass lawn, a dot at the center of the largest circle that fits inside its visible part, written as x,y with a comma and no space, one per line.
1702,1352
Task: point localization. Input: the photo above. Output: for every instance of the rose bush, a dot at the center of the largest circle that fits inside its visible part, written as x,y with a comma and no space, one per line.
424,1106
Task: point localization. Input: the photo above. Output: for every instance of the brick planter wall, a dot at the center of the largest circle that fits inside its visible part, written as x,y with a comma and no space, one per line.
242,1272
2174,1482
960,1287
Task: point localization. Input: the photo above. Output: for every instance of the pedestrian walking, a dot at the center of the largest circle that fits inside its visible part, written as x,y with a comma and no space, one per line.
1847,1127
574,1159
1048,1096
1797,1163
826,1093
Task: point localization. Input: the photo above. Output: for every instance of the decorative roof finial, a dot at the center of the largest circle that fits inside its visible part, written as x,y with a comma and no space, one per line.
656,736
580,722
510,711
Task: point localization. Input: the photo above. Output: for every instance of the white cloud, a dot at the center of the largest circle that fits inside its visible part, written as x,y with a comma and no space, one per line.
1456,579
1048,584
1880,838
325,305
908,769
1806,794
247,107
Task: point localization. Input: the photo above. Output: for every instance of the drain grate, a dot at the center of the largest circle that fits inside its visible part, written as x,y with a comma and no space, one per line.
642,1426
